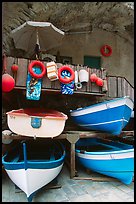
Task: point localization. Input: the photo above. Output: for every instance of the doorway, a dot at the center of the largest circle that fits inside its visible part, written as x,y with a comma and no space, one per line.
92,61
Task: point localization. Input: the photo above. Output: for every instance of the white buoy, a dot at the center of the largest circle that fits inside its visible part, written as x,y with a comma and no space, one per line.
78,85
83,76
76,77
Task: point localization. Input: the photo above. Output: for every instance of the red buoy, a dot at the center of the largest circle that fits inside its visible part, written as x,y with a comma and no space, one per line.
39,64
93,77
66,80
99,82
14,68
8,83
103,50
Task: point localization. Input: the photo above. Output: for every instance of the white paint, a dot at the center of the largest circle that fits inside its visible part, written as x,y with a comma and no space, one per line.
107,156
31,180
113,121
76,77
103,106
21,124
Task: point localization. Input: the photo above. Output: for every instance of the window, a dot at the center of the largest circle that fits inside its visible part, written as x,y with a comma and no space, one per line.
92,61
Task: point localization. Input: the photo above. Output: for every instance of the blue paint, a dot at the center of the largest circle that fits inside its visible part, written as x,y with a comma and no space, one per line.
55,158
34,164
33,92
36,122
114,119
67,88
121,168
25,156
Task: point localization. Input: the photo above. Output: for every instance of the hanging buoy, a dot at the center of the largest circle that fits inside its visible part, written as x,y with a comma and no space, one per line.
83,76
8,83
65,70
99,82
93,77
103,50
78,85
14,68
39,64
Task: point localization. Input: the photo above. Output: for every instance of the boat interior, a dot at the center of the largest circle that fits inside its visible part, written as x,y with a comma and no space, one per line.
100,145
45,152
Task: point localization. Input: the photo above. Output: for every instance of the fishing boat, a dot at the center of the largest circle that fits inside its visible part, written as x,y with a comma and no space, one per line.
36,122
109,116
110,158
32,165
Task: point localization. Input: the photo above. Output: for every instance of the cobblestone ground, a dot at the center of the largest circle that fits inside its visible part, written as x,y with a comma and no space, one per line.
71,190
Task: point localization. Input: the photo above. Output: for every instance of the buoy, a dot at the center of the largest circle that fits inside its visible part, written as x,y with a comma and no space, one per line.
39,64
93,77
83,76
78,85
8,83
14,68
99,82
65,70
103,50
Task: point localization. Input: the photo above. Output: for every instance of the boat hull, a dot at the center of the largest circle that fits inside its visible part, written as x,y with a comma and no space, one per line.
37,177
117,160
36,123
110,116
31,170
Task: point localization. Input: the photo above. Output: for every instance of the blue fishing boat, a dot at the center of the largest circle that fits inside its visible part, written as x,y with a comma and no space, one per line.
109,116
110,158
33,165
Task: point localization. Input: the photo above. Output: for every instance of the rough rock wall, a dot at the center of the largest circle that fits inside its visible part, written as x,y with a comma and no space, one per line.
117,17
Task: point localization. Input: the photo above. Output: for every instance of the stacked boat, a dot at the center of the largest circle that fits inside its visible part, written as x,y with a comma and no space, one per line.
36,122
113,159
32,165
109,116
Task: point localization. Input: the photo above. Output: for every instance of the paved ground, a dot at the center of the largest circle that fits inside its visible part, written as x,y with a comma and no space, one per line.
72,190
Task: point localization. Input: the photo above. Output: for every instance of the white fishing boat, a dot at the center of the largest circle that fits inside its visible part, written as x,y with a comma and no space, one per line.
36,122
33,165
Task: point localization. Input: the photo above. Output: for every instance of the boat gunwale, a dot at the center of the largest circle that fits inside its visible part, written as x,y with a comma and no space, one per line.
15,113
123,147
21,164
99,104
105,153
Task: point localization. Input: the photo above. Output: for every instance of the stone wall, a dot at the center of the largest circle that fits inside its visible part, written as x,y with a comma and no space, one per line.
108,22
